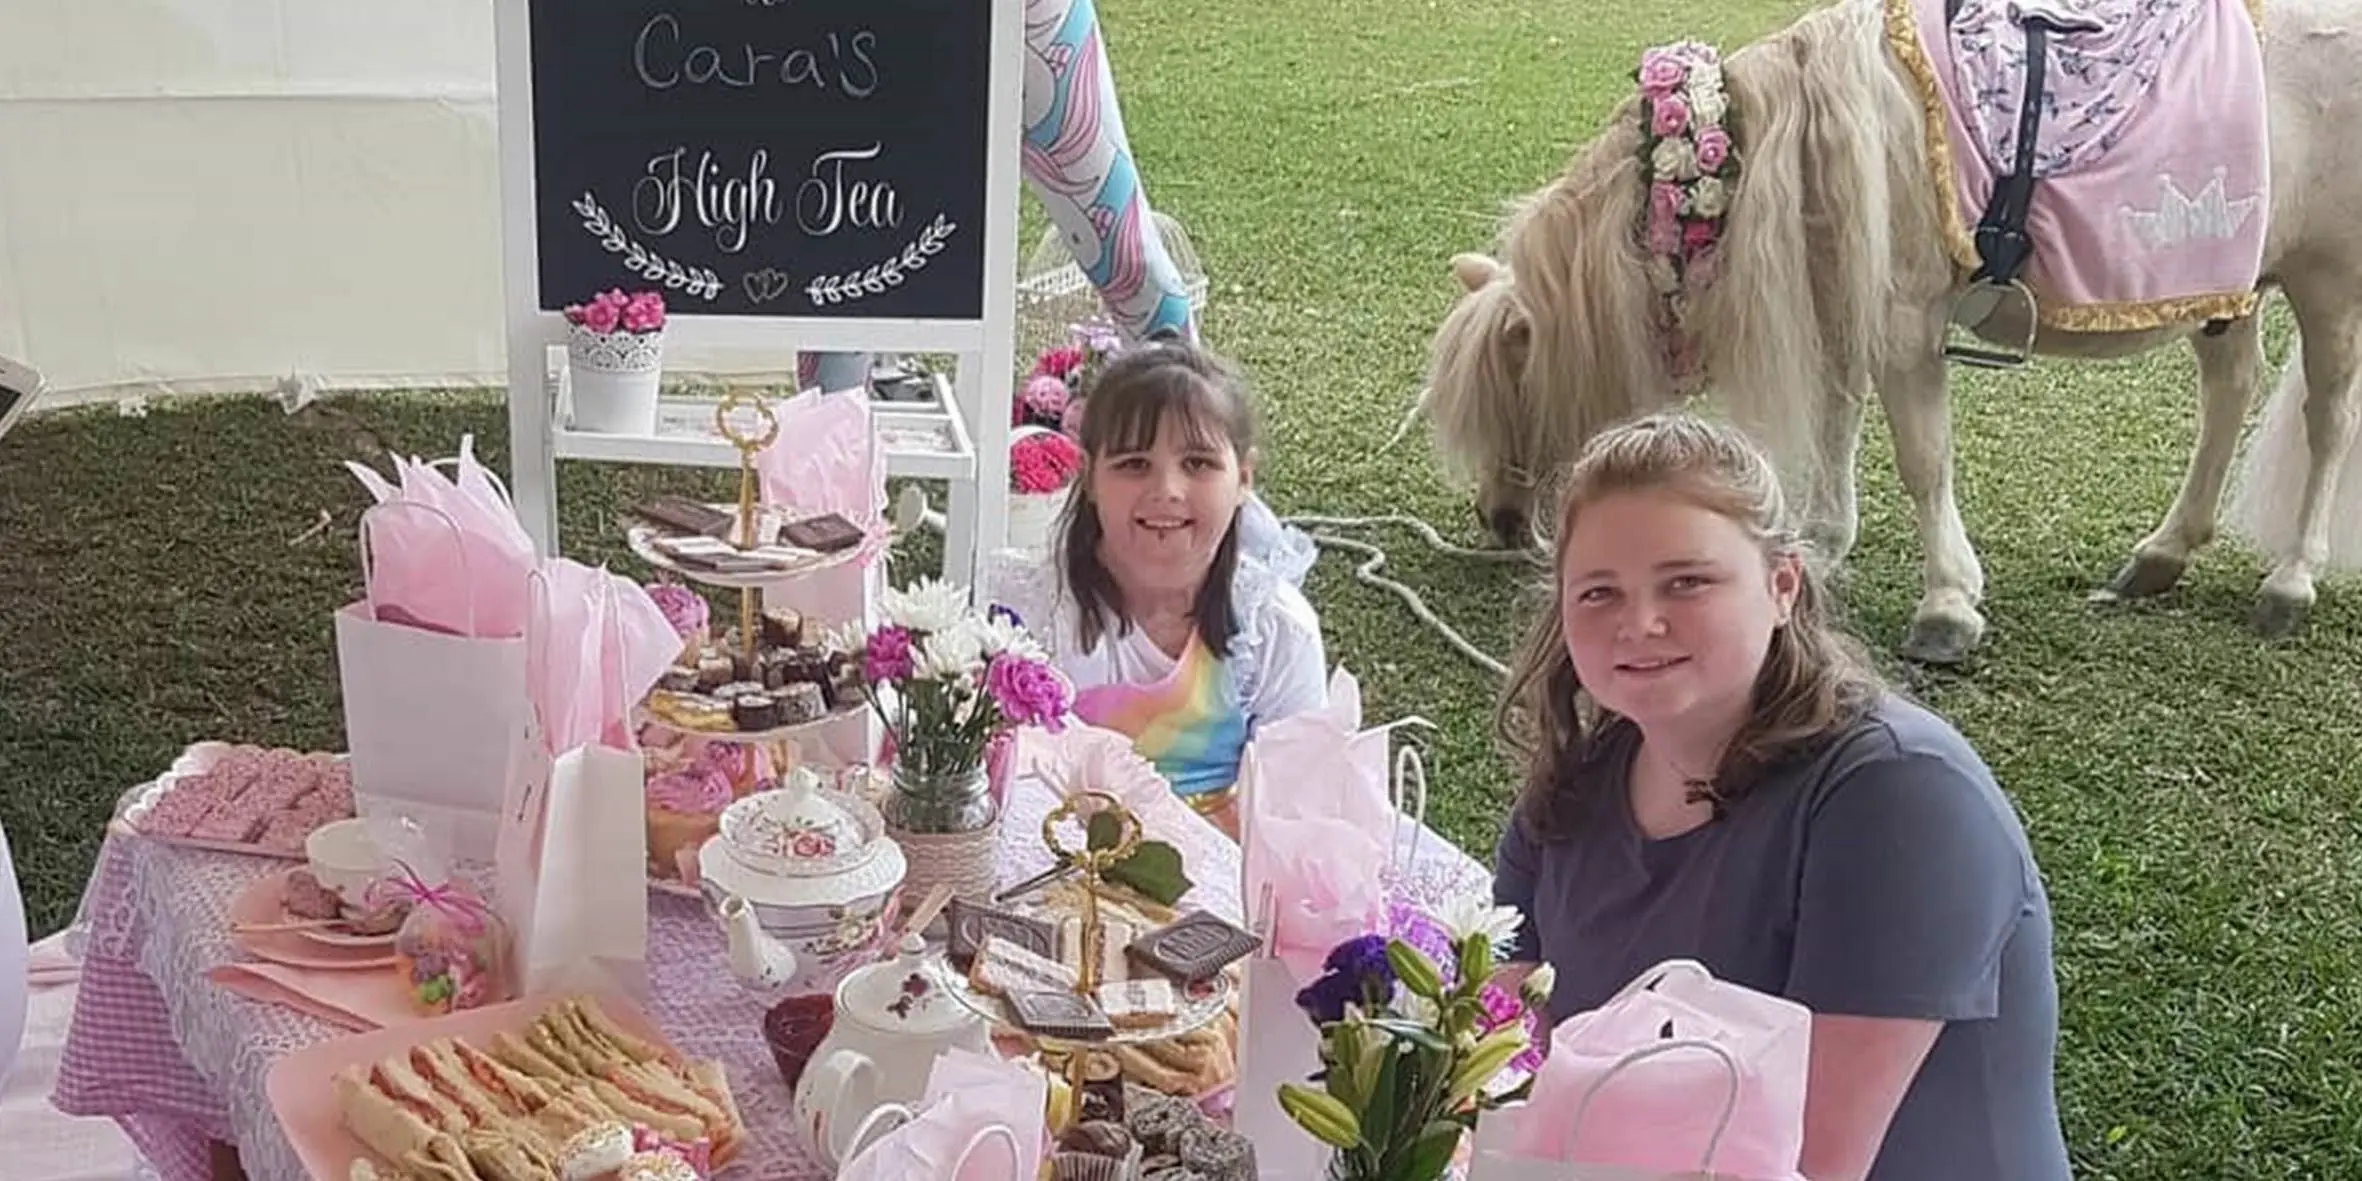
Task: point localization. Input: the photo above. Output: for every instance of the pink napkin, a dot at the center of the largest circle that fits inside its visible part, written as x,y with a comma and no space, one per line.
1316,827
983,1120
598,642
443,554
1093,758
826,460
355,999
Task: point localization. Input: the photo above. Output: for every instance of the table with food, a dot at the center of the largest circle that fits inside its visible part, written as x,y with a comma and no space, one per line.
590,898
232,997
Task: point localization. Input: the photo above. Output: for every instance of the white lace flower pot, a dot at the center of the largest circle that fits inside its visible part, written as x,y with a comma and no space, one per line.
1033,517
614,378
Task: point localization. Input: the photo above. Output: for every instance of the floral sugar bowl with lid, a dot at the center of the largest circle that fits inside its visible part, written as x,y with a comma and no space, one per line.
802,881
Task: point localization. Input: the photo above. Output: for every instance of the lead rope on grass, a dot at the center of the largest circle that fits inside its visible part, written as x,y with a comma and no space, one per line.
911,511
1374,560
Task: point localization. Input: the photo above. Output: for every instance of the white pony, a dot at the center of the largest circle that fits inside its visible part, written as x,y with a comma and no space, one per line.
1839,272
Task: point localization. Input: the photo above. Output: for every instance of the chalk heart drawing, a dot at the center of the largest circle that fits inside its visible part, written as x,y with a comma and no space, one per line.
765,285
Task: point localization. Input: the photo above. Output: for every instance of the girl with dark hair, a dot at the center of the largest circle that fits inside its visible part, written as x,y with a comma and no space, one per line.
1171,633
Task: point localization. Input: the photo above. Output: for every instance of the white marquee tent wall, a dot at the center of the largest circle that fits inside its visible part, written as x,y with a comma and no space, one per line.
207,195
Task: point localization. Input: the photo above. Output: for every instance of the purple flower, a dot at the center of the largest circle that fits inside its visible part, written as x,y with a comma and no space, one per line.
887,657
1428,936
1324,1000
1357,973
1028,692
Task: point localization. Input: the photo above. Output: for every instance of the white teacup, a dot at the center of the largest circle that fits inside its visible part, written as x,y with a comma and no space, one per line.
347,859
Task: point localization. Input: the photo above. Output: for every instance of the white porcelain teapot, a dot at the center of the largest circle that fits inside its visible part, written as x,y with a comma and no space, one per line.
801,880
892,1020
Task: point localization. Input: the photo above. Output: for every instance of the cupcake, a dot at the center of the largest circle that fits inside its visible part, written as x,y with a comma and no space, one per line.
690,616
684,808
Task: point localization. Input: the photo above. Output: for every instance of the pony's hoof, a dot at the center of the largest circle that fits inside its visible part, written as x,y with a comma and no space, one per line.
2145,576
2278,616
1940,640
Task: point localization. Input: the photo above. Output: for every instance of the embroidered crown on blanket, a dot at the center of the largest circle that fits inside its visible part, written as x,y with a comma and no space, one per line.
2136,222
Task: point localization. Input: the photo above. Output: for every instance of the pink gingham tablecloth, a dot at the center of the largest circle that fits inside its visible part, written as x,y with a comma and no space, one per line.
180,1063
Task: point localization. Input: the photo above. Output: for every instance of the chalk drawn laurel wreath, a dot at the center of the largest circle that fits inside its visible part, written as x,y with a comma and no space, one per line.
642,261
880,277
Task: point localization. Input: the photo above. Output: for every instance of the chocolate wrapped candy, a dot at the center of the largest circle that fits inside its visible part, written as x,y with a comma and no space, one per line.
971,924
1192,947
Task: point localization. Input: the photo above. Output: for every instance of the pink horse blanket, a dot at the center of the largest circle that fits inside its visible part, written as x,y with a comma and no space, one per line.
2152,155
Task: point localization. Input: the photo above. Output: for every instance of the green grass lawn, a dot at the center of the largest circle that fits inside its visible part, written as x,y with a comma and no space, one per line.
2190,791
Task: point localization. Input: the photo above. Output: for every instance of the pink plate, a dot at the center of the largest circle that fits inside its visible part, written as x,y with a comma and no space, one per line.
261,902
302,1087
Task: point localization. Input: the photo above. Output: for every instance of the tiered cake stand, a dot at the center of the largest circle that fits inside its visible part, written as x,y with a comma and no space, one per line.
748,422
1200,1005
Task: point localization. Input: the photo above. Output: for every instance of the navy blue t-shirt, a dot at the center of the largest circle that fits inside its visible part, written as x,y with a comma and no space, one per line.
1885,875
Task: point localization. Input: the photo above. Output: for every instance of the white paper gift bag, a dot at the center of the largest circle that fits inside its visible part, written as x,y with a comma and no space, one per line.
1317,866
573,844
435,721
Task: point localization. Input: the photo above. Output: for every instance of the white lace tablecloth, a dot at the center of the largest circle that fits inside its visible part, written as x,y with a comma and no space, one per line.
181,1063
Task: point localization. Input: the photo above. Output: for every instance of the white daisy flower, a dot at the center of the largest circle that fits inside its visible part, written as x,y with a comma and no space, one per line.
928,605
952,652
1001,635
1467,914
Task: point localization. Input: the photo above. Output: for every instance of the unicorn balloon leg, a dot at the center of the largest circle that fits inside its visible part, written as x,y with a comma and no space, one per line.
1079,165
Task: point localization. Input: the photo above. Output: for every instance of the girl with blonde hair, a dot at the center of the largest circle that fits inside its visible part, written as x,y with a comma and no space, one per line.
1713,771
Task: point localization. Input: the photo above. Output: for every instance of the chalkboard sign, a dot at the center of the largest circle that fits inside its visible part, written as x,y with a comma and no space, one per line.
772,158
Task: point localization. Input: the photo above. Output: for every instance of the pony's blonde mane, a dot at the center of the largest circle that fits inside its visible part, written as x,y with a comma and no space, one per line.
1832,183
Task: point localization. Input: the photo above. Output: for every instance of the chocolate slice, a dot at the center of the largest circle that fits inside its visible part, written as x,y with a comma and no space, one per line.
1192,947
826,533
757,711
783,627
1059,1014
800,702
972,924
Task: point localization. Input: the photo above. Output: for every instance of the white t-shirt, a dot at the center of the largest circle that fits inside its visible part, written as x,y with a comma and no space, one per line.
1276,659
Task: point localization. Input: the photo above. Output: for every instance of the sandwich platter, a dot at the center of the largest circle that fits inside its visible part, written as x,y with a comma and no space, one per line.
522,1078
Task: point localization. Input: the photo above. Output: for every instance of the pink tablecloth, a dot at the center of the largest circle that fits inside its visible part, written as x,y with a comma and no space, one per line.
179,1062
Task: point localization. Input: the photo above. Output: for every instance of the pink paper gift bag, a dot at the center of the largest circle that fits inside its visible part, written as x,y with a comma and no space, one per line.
1679,1074
573,836
434,718
827,460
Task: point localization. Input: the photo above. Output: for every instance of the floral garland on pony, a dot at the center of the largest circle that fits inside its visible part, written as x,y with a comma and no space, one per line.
1687,154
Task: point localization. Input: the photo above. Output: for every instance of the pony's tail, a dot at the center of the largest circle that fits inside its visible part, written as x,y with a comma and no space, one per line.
2270,484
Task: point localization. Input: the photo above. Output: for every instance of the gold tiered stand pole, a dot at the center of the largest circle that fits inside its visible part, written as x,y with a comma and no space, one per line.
1091,866
748,441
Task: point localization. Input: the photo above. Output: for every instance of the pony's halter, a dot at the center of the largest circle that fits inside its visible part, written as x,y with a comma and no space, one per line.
1690,162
